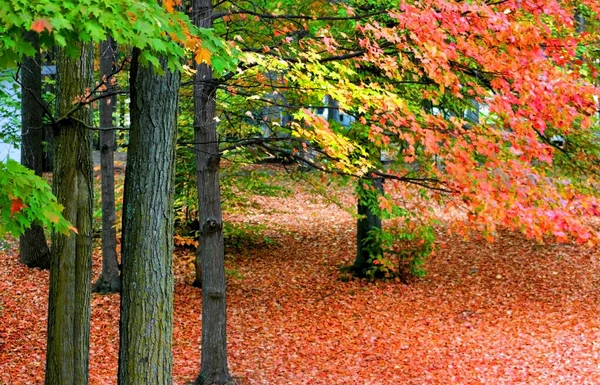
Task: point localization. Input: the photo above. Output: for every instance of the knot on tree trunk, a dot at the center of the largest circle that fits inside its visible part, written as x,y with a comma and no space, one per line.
211,225
213,163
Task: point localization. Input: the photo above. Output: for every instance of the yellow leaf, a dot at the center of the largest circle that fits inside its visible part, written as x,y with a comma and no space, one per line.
53,217
202,56
192,43
168,4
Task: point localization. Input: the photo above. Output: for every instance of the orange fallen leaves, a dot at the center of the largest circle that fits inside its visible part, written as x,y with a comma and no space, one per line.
291,320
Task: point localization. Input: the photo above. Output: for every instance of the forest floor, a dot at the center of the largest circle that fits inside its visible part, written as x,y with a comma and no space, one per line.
508,312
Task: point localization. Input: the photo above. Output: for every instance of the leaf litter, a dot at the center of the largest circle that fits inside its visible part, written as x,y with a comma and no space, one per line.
508,312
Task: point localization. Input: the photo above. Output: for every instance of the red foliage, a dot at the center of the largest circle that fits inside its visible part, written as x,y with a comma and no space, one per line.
511,312
41,24
16,205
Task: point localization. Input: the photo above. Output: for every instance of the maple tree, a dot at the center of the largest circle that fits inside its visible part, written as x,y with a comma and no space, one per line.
410,74
109,281
161,32
146,25
145,354
67,353
413,73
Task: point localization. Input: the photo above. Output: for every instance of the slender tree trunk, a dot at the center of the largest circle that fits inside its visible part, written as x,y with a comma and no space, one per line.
48,134
214,368
367,222
109,281
146,326
71,256
32,244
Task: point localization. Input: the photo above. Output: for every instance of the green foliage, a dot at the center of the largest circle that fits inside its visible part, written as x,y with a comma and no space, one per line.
400,249
405,251
9,109
26,198
142,24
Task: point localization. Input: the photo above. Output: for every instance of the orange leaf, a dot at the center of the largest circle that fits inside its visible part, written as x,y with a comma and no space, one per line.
38,25
168,5
202,56
16,206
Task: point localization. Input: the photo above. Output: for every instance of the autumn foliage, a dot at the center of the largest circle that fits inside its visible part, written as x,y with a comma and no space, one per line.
482,118
525,70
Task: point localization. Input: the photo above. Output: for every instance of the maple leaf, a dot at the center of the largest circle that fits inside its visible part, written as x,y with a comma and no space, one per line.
52,217
168,5
16,205
202,56
41,24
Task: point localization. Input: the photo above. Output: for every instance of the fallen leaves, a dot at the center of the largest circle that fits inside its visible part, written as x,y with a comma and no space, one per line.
291,320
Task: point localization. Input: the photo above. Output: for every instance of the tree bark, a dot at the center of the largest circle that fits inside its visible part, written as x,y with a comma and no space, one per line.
367,221
146,326
32,244
67,354
109,281
214,368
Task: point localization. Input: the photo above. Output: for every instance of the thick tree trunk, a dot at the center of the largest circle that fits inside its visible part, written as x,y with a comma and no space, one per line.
32,244
71,256
214,368
109,281
368,221
146,326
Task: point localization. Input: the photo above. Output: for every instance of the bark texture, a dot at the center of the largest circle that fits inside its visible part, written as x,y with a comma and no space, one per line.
214,368
109,280
32,244
367,221
146,326
71,256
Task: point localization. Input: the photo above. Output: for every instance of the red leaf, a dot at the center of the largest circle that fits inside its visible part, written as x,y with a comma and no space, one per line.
38,25
16,206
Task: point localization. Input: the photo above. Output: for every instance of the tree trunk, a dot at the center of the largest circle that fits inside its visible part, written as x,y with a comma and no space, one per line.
67,354
49,57
214,368
367,221
109,281
146,326
32,244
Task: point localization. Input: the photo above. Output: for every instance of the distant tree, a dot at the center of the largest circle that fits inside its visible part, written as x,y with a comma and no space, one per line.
109,281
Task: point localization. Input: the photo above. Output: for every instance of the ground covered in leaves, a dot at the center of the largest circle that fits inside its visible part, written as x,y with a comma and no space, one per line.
509,312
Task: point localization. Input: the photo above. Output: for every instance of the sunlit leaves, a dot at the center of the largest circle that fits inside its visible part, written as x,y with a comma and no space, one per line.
161,31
